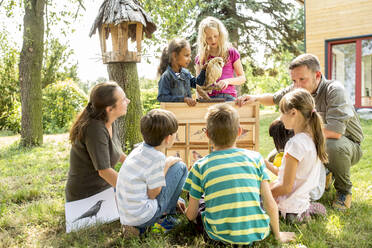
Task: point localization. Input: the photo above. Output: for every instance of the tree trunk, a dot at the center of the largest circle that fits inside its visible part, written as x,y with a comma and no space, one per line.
31,60
230,10
126,75
233,31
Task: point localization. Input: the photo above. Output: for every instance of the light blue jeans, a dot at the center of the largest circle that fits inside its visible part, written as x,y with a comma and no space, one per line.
168,197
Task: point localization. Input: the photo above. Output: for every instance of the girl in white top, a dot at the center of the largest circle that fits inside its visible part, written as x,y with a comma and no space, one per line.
303,157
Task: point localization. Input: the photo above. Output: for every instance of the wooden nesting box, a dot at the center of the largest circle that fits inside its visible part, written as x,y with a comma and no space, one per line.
119,35
192,143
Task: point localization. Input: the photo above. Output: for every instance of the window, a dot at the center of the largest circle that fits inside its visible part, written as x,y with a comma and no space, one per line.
366,73
351,64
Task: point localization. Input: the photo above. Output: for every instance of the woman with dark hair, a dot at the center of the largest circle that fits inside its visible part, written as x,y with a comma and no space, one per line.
96,147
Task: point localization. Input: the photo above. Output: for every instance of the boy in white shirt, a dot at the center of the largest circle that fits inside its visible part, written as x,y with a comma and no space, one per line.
149,184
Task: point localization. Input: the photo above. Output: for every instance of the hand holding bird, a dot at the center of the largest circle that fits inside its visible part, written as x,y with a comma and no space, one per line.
213,73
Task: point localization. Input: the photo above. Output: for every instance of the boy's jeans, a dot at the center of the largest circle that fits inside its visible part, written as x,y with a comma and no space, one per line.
168,197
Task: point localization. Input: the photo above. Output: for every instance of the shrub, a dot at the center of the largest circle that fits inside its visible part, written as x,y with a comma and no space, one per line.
270,80
12,117
149,100
61,102
148,84
10,111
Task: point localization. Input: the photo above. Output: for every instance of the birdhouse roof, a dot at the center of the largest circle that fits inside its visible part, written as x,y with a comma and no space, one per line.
118,11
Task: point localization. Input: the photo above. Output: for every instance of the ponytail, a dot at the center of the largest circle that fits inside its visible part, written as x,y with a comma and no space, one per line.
164,61
77,129
315,123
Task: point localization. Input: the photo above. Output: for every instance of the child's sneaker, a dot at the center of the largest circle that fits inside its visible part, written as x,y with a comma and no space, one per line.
157,228
315,209
165,224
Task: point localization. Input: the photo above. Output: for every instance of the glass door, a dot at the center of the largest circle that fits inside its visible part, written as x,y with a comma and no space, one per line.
344,65
366,77
351,64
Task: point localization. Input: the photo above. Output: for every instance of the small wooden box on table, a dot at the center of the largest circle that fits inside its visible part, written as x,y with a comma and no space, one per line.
192,143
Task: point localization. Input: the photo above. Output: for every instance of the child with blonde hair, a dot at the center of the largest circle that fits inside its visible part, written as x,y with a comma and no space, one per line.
233,182
213,41
304,154
176,81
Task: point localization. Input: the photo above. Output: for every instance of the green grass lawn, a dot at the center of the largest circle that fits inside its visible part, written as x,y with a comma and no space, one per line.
32,185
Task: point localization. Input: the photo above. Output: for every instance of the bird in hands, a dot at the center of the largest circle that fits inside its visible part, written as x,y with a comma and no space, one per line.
93,211
212,74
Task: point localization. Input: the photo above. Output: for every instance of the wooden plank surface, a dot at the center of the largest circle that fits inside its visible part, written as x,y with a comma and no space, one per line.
191,120
334,19
196,114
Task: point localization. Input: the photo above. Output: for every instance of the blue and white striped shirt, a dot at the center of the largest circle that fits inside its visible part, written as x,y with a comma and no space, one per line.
143,169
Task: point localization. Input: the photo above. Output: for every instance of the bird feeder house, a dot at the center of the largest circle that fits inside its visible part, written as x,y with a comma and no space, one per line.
121,26
118,50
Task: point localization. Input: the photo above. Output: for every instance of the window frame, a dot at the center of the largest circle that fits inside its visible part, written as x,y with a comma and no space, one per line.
358,62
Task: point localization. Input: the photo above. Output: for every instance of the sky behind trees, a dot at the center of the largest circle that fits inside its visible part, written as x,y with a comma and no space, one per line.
87,50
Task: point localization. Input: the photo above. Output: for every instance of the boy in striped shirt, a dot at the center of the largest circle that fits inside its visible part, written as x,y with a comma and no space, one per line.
233,180
149,184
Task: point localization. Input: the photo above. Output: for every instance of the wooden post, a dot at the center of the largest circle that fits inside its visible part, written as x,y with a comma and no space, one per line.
103,39
125,38
100,39
121,38
114,38
139,37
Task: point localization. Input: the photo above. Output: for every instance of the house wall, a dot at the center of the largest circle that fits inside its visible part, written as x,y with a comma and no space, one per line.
333,19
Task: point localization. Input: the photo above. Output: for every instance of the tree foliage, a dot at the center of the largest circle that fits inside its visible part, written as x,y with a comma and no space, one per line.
268,80
56,66
61,102
275,24
10,115
172,18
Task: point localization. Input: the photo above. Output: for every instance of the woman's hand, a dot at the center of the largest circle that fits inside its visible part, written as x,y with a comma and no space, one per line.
110,176
122,158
